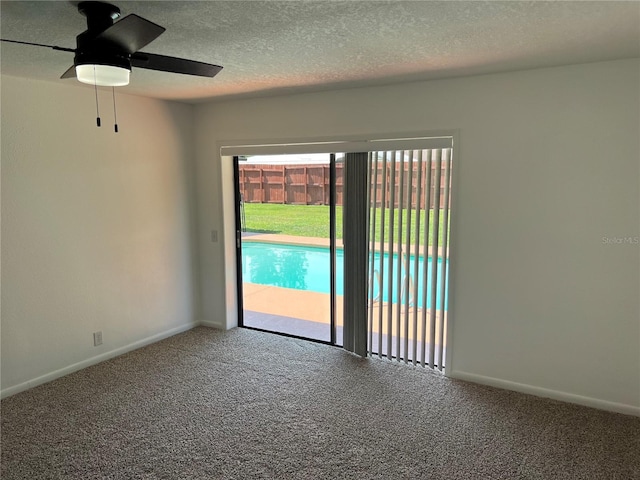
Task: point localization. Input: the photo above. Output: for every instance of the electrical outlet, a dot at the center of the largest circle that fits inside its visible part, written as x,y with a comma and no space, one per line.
214,236
97,338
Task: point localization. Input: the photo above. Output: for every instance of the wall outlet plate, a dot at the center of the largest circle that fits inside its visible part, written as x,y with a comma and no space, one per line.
97,339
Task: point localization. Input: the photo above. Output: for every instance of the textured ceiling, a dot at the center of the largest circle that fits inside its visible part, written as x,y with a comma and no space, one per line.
271,47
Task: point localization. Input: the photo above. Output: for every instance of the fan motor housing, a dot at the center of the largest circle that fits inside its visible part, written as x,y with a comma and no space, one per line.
100,15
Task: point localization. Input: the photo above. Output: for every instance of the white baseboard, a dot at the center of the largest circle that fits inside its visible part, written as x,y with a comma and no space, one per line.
210,324
547,393
7,392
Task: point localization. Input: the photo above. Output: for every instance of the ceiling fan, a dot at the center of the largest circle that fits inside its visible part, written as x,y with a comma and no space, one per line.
107,50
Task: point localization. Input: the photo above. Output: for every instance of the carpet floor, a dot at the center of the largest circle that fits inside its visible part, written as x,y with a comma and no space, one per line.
244,404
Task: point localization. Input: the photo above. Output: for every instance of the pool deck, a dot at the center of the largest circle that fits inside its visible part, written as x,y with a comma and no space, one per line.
288,239
315,307
318,242
289,302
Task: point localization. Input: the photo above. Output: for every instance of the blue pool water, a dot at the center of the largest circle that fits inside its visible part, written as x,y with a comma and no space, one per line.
307,268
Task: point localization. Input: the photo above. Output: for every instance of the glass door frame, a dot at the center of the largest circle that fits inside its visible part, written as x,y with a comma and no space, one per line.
332,254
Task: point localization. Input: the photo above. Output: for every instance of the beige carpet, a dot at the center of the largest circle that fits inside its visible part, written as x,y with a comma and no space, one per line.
244,404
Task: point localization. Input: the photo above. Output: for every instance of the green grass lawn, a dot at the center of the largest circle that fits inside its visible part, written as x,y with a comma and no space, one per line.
313,220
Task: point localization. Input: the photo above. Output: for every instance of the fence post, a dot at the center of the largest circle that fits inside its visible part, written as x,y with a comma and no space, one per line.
242,189
306,185
323,186
284,188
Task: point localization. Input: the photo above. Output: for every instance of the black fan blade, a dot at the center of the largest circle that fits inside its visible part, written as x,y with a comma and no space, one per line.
174,65
54,47
131,33
70,73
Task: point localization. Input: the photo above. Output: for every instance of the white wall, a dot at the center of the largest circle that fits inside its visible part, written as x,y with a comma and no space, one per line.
96,227
547,165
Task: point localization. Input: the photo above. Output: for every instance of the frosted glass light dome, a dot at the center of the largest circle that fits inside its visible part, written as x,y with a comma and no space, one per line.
103,75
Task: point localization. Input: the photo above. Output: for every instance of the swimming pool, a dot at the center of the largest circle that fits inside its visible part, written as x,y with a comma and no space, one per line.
307,268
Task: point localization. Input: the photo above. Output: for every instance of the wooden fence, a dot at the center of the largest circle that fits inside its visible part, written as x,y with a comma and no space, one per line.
292,184
309,184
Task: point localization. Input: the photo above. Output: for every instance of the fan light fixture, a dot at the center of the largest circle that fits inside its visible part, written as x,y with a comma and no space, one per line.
103,75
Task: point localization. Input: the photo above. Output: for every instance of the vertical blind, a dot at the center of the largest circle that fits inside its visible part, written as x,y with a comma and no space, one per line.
355,232
408,253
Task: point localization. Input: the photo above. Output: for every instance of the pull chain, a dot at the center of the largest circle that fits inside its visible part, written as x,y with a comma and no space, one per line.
95,85
115,115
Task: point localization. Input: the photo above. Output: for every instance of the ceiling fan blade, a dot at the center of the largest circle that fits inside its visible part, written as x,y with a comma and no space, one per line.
70,73
131,33
54,47
174,65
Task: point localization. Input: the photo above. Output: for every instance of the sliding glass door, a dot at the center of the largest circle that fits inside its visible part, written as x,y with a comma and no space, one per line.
383,290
